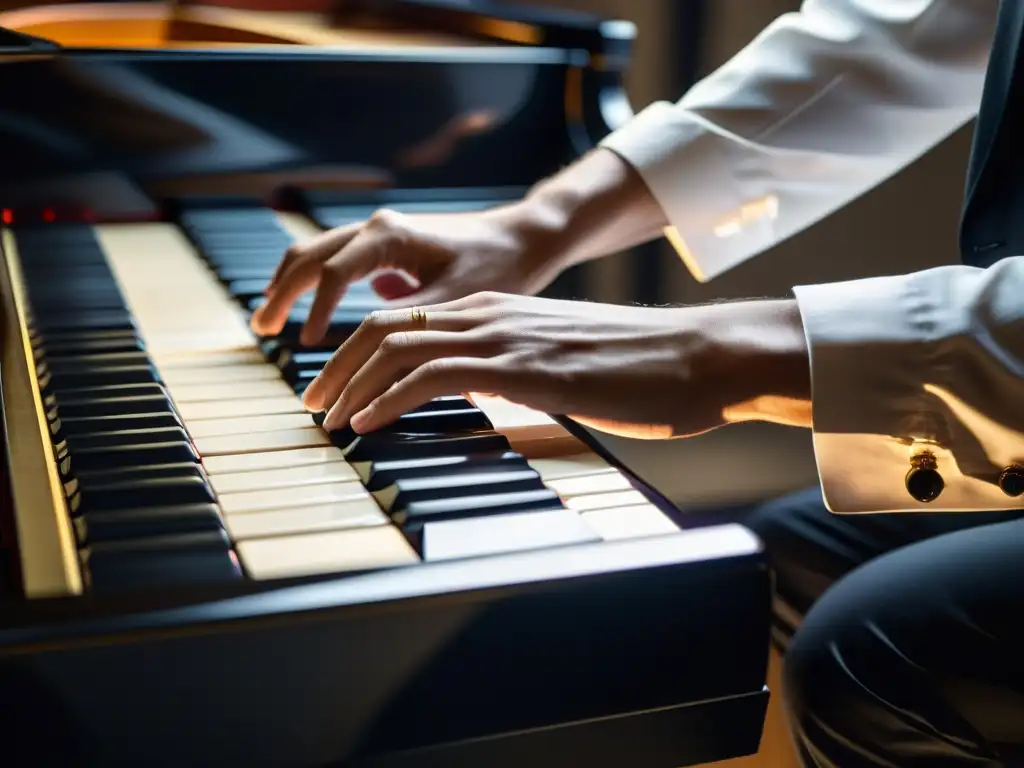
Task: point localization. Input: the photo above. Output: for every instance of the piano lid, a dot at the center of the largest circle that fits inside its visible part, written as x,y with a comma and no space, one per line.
83,126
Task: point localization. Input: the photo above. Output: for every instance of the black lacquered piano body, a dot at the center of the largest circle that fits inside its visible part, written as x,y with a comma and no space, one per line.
639,652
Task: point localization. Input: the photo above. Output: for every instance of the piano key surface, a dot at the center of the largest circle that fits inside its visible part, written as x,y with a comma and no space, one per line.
197,388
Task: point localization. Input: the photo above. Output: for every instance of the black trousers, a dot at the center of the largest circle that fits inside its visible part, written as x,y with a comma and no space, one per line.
903,634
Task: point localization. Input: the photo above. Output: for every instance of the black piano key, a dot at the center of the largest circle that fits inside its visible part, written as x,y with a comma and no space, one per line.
229,274
104,320
118,422
186,559
444,403
96,359
125,474
348,303
109,392
104,345
383,473
389,447
408,490
420,422
455,508
120,524
243,290
70,407
112,457
138,437
71,375
137,492
86,335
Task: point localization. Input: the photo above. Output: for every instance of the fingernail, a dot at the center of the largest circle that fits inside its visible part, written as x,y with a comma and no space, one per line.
311,399
335,418
363,420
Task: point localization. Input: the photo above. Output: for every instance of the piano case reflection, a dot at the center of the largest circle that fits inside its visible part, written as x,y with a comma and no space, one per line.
197,573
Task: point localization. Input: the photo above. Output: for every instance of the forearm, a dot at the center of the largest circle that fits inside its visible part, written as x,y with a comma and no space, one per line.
595,207
824,105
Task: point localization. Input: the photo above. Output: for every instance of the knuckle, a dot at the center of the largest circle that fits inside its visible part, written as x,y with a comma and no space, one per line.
395,343
374,320
383,219
294,252
439,370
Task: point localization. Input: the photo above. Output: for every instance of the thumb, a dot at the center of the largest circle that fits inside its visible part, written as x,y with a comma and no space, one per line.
394,285
435,293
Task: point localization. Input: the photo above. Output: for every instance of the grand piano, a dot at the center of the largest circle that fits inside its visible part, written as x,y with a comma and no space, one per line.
195,572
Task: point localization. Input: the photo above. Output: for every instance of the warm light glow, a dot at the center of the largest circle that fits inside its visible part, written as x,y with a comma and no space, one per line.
766,207
49,215
8,216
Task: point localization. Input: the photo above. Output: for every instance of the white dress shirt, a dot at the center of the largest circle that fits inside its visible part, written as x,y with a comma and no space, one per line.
822,106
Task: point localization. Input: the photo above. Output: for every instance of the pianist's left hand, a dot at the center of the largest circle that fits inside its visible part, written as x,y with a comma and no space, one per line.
635,371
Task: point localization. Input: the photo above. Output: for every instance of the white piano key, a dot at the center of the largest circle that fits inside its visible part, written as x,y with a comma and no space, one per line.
199,393
287,498
310,474
271,460
532,433
584,485
178,377
476,537
604,500
360,513
245,425
179,307
209,360
629,522
323,553
259,442
256,406
574,465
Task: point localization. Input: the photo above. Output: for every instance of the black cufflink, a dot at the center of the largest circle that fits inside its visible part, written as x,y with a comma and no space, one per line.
923,481
1011,481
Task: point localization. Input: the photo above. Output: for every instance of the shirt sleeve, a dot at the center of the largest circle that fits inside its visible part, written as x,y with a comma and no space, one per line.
926,363
825,104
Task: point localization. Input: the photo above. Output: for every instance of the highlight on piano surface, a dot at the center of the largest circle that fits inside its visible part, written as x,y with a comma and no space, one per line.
477,584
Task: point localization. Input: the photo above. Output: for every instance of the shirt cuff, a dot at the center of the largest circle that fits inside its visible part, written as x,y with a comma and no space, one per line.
716,218
889,379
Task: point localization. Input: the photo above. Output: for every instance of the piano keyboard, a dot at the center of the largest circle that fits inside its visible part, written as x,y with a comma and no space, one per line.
183,454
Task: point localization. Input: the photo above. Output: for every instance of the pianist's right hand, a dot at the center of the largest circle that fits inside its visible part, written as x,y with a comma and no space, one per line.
597,206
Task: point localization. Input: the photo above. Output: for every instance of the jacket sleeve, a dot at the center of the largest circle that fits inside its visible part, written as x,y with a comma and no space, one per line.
930,363
826,103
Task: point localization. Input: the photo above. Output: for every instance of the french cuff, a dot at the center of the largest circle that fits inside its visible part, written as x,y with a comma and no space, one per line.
707,183
876,365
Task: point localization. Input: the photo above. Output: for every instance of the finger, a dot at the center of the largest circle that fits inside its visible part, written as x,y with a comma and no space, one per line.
361,345
442,292
356,260
397,355
269,319
437,378
319,248
299,272
394,285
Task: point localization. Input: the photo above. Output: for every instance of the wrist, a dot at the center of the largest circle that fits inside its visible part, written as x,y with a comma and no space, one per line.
595,207
768,361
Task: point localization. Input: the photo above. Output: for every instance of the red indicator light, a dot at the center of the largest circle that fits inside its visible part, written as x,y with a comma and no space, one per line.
7,216
49,215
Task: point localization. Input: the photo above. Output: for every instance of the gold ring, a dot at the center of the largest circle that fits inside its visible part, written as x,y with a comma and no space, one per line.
419,318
